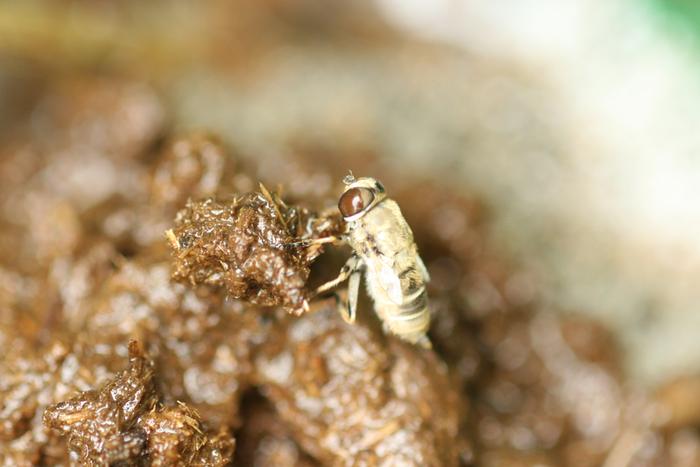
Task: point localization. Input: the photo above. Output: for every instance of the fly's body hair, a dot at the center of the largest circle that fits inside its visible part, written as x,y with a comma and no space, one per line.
384,249
384,243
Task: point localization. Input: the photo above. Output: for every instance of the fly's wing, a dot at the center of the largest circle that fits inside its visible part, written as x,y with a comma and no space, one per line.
422,269
390,282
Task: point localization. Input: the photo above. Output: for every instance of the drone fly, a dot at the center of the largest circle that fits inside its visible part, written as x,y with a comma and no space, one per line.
383,248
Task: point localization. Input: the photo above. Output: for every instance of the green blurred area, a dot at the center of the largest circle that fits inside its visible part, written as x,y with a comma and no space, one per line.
683,13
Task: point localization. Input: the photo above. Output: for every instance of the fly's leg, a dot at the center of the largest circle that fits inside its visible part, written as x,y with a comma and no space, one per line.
314,241
425,342
351,266
349,312
351,270
353,292
348,309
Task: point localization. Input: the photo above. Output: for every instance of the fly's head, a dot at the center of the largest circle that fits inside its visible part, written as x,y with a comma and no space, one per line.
359,197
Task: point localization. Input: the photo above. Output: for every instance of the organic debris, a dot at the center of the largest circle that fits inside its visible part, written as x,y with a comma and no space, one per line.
123,422
84,270
248,246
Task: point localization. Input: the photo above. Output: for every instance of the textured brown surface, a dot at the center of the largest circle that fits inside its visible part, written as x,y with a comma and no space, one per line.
93,177
351,398
123,422
245,246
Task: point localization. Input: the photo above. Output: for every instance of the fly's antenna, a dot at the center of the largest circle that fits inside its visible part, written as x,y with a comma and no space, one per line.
350,178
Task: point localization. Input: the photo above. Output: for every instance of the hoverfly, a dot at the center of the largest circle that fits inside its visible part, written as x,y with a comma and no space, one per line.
383,248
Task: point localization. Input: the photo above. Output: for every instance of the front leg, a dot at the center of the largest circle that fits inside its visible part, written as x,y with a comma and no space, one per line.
348,309
351,265
307,242
351,269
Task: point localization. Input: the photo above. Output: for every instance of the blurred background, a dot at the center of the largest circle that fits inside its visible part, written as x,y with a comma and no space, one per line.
574,120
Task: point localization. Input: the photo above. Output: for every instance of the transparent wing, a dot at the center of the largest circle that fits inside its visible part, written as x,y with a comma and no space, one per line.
391,283
422,269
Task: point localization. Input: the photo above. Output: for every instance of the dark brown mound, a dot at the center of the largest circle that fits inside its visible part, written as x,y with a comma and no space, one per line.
124,423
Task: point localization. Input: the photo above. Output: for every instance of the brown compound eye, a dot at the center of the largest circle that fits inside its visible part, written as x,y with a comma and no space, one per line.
354,201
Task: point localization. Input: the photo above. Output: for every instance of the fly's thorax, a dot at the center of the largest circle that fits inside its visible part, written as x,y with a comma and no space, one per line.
381,231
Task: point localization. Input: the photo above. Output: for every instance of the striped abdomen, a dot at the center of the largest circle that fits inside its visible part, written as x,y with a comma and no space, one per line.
409,320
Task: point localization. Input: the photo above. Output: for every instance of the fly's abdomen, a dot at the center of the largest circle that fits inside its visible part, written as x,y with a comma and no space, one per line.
410,320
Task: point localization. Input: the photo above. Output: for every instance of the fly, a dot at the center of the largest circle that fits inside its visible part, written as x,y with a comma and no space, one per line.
383,248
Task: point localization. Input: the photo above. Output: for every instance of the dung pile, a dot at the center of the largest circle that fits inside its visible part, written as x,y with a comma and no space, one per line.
246,246
86,268
124,422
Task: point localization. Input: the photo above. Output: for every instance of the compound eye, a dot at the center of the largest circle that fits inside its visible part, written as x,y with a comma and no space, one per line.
355,200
